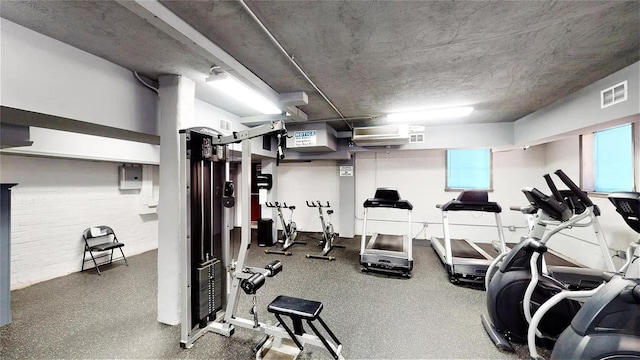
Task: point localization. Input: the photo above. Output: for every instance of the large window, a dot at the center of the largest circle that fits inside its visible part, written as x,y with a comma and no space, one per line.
607,160
469,169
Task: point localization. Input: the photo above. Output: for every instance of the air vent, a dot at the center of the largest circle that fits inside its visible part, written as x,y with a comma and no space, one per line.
416,138
613,95
225,125
386,135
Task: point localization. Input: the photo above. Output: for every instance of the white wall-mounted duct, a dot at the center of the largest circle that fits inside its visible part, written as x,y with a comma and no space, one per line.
385,135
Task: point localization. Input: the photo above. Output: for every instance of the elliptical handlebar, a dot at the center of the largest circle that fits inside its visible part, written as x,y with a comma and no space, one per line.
524,209
574,188
554,190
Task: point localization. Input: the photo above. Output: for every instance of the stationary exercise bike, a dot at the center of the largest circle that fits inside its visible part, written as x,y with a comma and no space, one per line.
328,235
608,324
289,230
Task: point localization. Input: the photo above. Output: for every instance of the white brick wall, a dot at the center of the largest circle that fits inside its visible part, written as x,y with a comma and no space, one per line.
57,199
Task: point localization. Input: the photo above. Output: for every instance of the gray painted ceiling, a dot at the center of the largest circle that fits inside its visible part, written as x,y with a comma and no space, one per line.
507,59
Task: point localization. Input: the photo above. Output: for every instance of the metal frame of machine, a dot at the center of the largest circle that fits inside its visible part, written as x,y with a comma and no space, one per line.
373,255
469,261
211,288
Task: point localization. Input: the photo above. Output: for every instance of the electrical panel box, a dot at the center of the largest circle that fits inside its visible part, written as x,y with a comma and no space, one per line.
130,177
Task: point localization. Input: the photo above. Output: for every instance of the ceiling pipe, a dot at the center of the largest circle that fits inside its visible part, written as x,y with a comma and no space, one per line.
290,57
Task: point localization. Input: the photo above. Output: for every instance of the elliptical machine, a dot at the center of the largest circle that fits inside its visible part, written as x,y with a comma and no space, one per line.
289,230
608,324
509,303
328,234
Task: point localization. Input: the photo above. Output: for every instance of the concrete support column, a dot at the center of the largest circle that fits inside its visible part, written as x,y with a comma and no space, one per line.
177,102
269,167
5,253
347,206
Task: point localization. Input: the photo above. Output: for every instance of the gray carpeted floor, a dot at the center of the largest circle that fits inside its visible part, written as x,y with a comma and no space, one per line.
84,315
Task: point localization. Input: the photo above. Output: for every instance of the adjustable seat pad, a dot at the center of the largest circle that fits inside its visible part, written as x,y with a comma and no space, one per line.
295,307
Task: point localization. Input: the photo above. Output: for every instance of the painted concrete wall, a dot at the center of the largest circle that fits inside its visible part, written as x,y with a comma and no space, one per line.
56,200
581,109
44,75
420,176
316,180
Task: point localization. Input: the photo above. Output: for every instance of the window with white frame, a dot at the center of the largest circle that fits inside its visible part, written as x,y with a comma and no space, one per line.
469,169
607,160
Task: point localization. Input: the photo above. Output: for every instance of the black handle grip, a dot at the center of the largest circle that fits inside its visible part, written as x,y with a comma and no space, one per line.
574,188
552,186
252,284
274,267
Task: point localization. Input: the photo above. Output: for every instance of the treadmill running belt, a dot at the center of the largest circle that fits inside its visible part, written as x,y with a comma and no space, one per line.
389,242
488,248
551,258
462,249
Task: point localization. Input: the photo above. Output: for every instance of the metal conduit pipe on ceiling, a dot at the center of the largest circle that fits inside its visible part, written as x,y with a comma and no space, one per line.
290,58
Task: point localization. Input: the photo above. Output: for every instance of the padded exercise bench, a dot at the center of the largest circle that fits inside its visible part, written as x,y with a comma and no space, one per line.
298,310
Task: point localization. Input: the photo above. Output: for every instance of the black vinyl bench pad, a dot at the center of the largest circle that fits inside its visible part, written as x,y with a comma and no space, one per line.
295,307
300,309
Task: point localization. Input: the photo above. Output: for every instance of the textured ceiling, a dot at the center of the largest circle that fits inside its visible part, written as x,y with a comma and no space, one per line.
507,59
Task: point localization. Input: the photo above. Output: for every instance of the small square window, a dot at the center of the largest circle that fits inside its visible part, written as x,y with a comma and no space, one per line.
469,169
607,160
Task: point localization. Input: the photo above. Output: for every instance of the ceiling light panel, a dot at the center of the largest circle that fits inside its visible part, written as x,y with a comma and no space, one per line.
243,93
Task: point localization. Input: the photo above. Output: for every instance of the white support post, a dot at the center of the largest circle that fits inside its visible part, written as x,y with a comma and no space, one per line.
245,208
177,102
447,239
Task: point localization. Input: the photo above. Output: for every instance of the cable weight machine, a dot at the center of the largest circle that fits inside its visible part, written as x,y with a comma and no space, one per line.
211,280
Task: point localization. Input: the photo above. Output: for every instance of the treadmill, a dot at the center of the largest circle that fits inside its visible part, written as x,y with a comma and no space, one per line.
464,260
385,252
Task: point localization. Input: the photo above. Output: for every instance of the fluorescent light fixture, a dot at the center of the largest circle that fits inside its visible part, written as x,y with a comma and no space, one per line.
431,114
239,91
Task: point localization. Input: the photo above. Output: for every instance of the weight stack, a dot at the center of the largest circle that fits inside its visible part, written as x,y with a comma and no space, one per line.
208,295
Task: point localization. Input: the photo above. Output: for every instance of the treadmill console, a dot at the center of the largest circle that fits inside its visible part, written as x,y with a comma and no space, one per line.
388,198
387,194
472,200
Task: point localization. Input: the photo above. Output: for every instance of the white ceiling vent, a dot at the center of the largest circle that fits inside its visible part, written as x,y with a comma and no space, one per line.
225,125
613,95
416,138
381,135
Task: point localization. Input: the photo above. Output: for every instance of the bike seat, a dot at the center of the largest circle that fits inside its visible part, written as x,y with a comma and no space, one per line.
292,208
329,212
